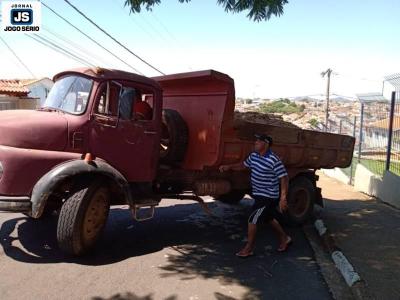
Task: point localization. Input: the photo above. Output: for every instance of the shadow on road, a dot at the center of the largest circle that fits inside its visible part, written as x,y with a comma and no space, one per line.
34,241
368,232
132,296
195,246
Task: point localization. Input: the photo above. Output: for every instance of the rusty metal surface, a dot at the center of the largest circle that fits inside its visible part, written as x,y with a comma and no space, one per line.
33,129
109,74
24,167
205,100
212,187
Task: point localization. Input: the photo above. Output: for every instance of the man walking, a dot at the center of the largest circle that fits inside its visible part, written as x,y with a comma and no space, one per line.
267,175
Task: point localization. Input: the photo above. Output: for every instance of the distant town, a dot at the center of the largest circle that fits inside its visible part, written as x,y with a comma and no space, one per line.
306,112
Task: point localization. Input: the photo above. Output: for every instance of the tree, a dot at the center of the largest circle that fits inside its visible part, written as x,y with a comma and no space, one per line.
313,122
282,106
259,10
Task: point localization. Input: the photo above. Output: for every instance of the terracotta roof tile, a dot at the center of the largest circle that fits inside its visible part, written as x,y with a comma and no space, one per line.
13,86
384,124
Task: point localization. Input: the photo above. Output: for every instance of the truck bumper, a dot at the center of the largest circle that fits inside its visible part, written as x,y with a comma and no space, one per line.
15,204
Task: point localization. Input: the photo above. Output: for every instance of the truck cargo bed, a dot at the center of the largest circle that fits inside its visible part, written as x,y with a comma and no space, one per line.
206,101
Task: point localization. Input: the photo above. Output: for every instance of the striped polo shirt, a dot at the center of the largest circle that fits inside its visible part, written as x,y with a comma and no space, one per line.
265,173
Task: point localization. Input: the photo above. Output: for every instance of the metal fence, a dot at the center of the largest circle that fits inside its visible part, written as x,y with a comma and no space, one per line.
376,128
374,134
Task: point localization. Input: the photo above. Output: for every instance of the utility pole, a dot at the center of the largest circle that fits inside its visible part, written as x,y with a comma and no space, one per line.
328,74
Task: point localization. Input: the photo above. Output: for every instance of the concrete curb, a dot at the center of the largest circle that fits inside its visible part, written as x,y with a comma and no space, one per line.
357,286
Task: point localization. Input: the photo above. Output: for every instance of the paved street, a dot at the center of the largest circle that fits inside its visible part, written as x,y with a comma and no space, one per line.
181,254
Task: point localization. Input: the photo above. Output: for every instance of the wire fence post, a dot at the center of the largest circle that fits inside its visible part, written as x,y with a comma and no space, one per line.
352,166
390,133
360,139
340,126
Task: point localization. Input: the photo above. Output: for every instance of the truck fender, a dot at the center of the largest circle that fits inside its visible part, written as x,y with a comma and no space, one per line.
50,181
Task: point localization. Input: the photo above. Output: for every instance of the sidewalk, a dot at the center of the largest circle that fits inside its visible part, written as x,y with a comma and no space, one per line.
368,233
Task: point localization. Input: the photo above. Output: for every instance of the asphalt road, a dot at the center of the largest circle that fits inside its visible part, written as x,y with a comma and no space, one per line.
180,254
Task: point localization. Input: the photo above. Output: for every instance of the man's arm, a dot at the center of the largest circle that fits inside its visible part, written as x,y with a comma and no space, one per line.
236,167
284,192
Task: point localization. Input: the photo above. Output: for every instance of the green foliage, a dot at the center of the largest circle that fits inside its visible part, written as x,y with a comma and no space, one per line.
283,106
258,10
313,122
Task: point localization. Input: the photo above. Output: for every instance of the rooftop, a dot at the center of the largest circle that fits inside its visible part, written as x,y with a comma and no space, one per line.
384,123
16,87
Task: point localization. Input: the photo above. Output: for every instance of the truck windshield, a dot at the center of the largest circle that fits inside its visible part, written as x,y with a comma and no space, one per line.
69,94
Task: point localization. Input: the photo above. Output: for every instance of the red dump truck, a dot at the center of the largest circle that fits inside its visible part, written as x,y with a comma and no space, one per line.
107,137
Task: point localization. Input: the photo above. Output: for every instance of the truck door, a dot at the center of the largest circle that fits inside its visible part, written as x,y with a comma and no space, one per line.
124,131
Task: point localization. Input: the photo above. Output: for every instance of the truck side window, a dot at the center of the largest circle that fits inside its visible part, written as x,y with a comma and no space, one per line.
109,98
134,104
127,98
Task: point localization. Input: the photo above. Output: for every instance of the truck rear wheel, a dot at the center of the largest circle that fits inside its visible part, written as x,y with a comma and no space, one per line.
233,197
301,199
174,137
82,219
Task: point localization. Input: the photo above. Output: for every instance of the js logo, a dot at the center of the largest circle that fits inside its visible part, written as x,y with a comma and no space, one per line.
21,16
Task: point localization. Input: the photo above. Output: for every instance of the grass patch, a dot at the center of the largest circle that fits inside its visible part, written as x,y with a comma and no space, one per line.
375,166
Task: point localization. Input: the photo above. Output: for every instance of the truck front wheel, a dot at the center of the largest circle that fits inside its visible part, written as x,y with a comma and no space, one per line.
82,219
301,199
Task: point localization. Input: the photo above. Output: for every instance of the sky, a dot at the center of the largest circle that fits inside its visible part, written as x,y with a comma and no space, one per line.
282,57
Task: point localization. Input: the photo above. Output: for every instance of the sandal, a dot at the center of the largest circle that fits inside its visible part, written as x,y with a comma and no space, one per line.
249,254
286,246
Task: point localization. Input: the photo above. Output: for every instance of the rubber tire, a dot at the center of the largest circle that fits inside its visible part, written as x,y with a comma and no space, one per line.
303,185
233,197
72,217
178,134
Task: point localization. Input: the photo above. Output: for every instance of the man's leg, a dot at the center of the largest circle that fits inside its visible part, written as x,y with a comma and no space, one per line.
282,236
252,231
251,239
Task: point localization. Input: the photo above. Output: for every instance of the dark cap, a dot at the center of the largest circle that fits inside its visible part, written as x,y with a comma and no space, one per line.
263,137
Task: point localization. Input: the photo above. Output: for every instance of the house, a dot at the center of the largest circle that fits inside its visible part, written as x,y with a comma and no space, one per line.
38,88
23,94
377,133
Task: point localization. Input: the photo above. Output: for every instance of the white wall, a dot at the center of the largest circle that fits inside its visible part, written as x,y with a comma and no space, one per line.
386,188
40,89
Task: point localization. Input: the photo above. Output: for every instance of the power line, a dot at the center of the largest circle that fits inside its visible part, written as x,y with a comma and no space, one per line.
111,37
134,21
56,48
51,47
84,53
164,27
153,28
66,49
54,44
90,38
168,38
17,57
